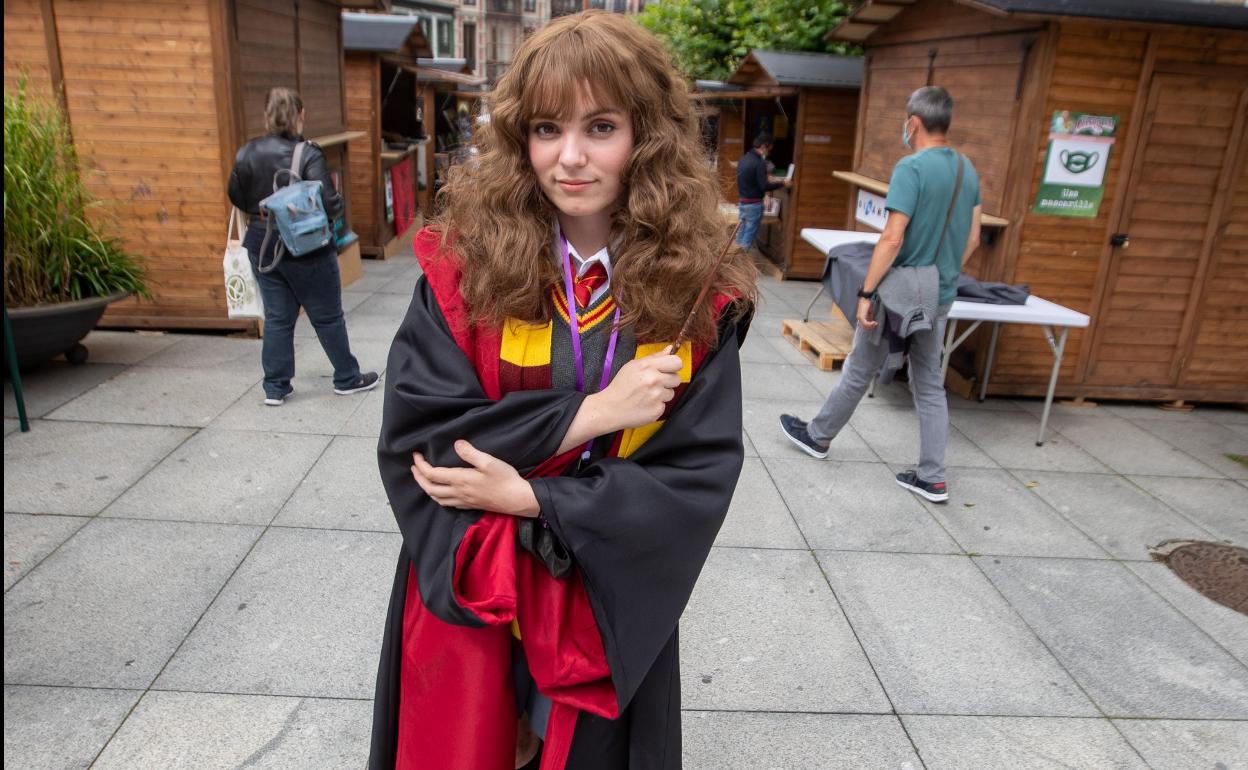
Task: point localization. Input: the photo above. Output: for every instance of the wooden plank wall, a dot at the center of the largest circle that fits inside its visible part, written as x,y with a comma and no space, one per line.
26,47
1096,70
731,133
268,56
139,83
825,112
320,66
363,103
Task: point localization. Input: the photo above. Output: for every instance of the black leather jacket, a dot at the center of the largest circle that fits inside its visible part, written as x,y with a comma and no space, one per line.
251,181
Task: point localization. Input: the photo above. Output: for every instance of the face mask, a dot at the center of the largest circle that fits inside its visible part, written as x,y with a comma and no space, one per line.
905,135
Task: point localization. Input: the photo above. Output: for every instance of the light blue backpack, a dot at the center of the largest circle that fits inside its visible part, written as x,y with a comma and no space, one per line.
296,207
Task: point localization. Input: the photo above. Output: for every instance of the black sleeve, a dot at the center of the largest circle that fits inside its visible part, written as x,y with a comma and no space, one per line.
238,184
432,398
763,184
316,170
641,528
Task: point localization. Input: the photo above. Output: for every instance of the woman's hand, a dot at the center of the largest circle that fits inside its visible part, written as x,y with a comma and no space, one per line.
866,318
640,391
490,484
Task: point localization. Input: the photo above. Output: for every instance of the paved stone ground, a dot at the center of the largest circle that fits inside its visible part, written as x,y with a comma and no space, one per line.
193,580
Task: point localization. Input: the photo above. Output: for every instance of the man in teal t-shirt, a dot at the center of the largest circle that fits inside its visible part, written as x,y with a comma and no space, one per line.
919,198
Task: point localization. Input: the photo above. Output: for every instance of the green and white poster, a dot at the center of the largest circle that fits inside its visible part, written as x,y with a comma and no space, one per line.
1074,168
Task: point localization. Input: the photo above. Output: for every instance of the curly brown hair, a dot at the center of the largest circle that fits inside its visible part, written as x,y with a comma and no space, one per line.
499,221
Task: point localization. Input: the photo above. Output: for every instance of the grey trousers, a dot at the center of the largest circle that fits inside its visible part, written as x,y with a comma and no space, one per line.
925,383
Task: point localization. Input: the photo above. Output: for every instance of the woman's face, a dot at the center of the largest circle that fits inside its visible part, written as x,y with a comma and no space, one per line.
579,161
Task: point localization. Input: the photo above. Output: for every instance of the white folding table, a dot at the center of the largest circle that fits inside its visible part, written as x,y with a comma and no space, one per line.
1049,316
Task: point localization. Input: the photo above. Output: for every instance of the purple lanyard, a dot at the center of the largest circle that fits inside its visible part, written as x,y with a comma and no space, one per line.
575,324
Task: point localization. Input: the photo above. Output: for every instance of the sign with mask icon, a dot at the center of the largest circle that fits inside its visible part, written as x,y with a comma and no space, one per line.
1074,168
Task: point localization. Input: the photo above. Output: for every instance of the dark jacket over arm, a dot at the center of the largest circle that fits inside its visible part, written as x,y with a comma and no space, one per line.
251,181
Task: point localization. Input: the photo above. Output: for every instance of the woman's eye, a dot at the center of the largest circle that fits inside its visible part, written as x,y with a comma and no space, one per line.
602,127
545,129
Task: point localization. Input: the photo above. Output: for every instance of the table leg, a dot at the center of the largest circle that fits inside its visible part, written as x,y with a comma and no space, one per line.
951,328
813,300
1058,347
871,388
992,353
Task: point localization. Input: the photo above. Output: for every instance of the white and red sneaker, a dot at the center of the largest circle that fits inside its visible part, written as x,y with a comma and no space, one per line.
936,491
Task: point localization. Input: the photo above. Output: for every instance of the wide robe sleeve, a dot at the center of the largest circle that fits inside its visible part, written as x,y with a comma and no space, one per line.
433,397
641,527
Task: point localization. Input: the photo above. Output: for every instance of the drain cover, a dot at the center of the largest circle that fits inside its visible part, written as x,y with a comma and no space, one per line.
1216,570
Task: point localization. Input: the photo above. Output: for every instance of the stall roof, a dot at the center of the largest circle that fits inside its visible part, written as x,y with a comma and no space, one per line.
446,64
774,68
870,15
383,33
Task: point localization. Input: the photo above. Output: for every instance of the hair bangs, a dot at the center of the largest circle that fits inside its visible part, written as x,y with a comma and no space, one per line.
577,74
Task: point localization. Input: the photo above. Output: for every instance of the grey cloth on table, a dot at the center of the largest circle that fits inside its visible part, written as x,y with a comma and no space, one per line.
843,274
974,290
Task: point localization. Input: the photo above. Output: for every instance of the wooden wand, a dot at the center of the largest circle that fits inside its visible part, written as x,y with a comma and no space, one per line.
706,287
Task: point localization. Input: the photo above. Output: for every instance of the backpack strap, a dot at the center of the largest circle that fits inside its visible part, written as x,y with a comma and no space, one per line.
293,175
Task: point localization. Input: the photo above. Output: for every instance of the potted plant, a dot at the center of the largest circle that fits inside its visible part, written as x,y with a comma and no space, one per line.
61,267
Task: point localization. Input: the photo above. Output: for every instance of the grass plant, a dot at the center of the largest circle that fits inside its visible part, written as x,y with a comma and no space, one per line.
56,248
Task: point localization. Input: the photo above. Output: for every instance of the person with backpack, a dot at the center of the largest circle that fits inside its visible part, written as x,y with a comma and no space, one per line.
287,282
934,213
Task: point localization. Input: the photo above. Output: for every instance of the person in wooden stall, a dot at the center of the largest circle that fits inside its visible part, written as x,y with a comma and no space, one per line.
753,184
558,460
310,281
933,219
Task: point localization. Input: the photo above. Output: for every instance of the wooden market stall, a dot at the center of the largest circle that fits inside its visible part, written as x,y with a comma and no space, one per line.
159,97
808,102
453,105
385,105
1161,264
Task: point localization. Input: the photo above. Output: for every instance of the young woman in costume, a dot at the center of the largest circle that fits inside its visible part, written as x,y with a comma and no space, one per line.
557,470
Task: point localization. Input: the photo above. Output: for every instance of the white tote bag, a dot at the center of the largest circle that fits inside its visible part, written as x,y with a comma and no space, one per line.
242,293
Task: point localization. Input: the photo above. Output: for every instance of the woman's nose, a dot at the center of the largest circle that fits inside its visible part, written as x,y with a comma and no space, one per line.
571,151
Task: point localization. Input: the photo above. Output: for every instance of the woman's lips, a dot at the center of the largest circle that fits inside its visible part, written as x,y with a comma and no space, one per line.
573,185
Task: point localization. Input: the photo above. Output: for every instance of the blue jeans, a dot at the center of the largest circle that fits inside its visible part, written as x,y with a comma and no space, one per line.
750,214
313,283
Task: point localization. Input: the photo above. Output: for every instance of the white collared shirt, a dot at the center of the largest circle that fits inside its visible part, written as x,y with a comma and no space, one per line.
581,264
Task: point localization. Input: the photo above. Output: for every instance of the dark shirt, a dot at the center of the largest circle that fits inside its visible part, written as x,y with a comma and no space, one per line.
752,176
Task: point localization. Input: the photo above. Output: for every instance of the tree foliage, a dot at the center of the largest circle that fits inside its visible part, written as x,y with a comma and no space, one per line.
709,38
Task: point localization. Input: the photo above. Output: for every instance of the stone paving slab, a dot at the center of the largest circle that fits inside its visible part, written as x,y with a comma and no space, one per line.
54,384
1133,653
1122,518
776,382
761,350
311,363
1126,447
943,641
1208,443
762,423
1186,745
1010,439
367,323
990,511
146,395
856,507
762,632
29,539
313,408
1218,505
303,615
11,426
1226,626
894,435
114,602
403,284
76,468
1020,743
231,477
225,732
728,740
342,491
53,728
113,347
758,517
202,351
365,421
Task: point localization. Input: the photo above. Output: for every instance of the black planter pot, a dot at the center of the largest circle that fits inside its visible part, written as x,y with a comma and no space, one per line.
46,331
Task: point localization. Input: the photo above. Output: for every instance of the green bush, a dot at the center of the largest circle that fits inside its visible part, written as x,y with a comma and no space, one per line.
53,251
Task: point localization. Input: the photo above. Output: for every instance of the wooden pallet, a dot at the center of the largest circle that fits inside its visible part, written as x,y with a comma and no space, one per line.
826,343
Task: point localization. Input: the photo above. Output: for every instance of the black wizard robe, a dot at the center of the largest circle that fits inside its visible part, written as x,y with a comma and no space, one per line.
600,640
